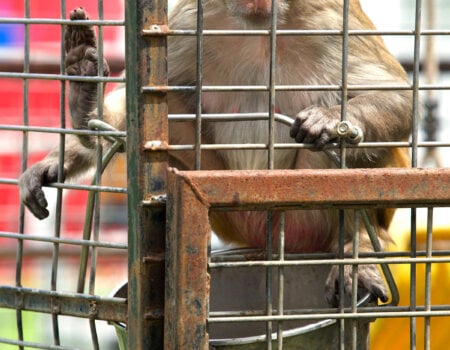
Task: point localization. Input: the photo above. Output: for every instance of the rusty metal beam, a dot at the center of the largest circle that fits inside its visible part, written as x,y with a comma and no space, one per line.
146,121
264,189
68,304
192,194
187,279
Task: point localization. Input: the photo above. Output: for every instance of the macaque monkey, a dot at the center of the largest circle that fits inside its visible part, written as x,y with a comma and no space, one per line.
382,115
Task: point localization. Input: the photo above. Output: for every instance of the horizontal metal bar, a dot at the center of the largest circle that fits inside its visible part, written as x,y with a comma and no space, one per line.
41,76
69,252
308,188
348,261
350,315
375,311
34,345
53,130
243,88
59,303
311,256
236,257
80,242
262,146
263,88
59,21
155,31
67,186
218,118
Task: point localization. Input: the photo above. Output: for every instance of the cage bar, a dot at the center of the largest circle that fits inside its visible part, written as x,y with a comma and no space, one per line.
146,121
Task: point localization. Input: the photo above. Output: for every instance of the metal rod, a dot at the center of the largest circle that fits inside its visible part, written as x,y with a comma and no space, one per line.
428,267
414,138
198,86
355,255
280,310
146,65
90,212
77,242
19,251
269,307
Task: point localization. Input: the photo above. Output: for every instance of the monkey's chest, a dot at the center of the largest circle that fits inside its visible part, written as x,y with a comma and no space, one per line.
304,231
246,146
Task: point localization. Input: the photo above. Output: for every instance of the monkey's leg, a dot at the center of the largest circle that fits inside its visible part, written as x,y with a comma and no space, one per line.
82,60
369,280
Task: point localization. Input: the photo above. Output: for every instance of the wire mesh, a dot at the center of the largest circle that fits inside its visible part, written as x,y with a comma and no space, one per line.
55,275
41,261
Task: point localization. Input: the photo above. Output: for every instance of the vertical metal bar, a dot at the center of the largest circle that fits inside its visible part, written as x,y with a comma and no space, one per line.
341,254
344,74
344,93
272,82
199,84
430,121
415,126
269,311
281,280
270,163
412,286
59,192
416,80
19,253
146,64
428,267
355,255
187,279
98,174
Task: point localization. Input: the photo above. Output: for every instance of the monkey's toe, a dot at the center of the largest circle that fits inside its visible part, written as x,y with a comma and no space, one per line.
369,282
78,14
77,35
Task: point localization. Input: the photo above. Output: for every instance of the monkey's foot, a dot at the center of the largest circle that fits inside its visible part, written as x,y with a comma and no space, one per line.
79,34
82,60
369,282
81,47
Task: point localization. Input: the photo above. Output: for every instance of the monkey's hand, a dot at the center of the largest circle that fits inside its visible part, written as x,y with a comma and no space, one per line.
82,60
316,125
30,185
369,281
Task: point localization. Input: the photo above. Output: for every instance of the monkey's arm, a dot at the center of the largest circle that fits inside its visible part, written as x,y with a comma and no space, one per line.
79,155
382,116
77,160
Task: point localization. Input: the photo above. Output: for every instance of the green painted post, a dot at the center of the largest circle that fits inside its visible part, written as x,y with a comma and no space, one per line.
146,65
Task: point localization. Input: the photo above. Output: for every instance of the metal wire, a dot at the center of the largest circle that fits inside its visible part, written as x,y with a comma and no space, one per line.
46,301
275,314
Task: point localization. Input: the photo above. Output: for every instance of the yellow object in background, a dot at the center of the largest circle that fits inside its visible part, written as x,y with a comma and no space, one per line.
394,333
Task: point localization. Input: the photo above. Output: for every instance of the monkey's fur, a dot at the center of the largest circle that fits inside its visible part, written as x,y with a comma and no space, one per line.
244,60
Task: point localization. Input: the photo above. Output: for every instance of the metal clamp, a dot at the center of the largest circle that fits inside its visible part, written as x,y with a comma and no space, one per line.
350,133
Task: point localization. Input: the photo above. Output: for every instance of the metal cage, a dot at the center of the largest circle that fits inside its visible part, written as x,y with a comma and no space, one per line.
62,276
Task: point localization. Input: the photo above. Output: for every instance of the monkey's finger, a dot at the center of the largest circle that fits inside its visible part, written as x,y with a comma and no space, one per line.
299,130
36,202
323,140
37,208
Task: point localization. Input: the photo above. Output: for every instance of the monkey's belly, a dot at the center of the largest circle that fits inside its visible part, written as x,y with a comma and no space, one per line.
304,231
